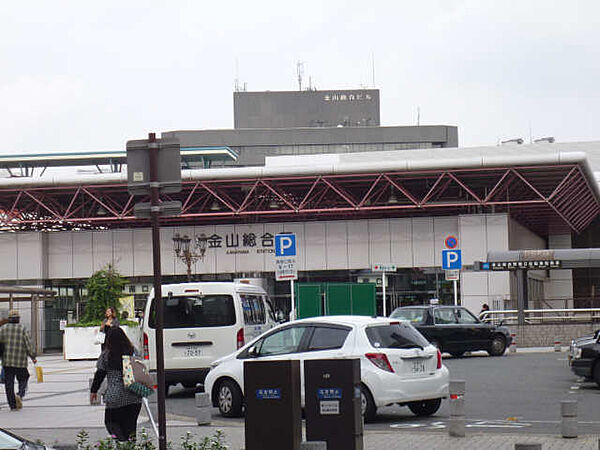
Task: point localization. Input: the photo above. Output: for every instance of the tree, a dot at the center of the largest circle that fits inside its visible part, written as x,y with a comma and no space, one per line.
104,287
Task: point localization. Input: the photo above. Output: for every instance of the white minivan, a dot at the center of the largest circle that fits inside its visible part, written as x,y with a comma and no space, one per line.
203,322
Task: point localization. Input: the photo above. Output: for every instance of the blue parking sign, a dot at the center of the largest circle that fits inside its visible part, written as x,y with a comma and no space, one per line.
285,244
451,259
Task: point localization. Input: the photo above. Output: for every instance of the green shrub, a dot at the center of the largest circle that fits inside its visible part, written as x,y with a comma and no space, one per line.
105,288
143,442
97,323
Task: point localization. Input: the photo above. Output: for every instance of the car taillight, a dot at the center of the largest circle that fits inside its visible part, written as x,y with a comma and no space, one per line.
439,358
380,360
240,338
146,352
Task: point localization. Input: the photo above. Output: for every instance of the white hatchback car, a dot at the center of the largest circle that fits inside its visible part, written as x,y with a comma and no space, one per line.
398,365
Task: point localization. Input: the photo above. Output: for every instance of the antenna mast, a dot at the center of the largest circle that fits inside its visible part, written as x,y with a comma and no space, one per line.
237,76
373,68
300,72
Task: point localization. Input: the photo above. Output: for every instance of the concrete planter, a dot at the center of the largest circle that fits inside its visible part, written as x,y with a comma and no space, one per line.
79,342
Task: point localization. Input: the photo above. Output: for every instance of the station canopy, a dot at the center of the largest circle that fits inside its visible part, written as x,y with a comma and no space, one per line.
549,188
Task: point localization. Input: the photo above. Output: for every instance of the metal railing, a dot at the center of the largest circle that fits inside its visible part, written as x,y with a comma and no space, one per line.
537,316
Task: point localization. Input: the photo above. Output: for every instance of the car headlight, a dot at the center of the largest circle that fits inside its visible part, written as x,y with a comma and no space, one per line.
576,353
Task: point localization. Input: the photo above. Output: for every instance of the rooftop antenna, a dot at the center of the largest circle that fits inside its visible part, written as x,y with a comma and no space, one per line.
237,76
418,115
300,71
530,135
373,68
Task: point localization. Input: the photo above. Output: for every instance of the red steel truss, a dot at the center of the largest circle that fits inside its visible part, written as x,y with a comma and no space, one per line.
546,198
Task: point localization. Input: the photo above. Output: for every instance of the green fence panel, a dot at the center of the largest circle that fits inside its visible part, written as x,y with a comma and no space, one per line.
338,300
363,299
308,300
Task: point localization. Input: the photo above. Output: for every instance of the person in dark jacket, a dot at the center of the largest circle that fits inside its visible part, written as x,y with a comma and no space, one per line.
122,405
110,321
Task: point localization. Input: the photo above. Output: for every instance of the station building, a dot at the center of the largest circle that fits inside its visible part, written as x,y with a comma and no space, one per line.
356,195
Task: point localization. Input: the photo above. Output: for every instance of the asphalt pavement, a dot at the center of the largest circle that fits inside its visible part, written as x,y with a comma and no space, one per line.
57,409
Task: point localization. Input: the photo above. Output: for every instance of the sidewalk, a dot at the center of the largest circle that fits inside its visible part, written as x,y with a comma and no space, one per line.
56,410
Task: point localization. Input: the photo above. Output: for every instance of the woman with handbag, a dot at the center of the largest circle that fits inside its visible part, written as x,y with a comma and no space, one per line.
110,321
122,405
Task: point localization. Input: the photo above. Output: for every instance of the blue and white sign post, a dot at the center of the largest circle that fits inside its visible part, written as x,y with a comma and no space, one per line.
285,264
452,260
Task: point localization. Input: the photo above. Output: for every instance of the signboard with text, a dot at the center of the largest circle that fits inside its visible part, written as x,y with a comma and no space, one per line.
285,269
285,257
384,267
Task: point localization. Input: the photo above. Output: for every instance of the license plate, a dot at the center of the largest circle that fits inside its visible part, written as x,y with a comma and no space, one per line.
191,351
418,367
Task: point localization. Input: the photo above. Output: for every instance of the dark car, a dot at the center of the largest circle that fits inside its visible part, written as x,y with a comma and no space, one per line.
455,330
584,357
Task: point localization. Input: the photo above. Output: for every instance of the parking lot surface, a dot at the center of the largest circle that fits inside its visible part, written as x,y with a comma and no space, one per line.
497,415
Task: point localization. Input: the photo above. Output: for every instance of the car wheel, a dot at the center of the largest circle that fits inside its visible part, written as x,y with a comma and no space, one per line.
367,405
498,346
457,354
596,372
425,407
229,399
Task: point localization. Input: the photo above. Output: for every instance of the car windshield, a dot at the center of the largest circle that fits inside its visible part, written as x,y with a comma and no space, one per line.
213,310
395,335
416,316
9,442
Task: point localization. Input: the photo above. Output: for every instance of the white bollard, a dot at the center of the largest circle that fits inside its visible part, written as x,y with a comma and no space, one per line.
456,424
203,408
513,343
568,421
557,346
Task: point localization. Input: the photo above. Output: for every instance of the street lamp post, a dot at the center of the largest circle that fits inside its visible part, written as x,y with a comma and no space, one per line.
181,246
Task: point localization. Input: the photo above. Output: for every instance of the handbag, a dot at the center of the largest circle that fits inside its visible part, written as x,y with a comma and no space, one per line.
39,373
100,338
136,377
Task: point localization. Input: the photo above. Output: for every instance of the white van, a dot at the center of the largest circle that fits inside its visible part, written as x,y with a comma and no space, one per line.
203,322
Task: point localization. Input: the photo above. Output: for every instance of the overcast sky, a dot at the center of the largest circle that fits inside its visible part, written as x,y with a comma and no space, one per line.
83,75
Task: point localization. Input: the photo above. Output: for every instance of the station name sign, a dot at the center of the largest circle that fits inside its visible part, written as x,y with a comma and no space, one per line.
515,265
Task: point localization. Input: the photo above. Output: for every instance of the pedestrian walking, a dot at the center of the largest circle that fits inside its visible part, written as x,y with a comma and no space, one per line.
110,321
17,347
484,308
122,405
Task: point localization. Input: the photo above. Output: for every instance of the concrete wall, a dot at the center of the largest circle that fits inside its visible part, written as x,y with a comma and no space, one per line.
546,335
298,109
478,235
327,245
248,249
558,288
254,144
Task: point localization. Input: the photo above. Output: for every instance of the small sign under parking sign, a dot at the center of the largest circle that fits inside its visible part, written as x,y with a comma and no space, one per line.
329,407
